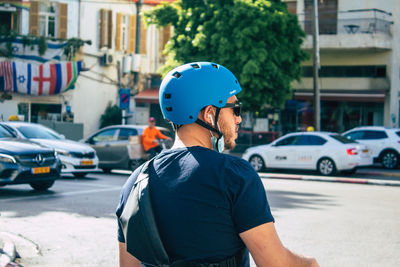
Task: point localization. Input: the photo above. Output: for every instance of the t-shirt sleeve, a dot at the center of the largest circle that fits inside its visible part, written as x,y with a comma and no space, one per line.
250,206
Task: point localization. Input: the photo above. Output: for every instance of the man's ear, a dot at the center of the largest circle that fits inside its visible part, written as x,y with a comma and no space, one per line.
207,114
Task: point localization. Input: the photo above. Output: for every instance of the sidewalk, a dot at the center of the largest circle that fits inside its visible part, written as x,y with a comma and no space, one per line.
382,178
7,251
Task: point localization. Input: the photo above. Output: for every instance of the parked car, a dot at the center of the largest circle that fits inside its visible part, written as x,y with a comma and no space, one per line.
384,143
120,146
76,158
322,151
25,162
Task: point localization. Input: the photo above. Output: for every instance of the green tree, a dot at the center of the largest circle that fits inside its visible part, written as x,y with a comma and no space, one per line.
258,40
112,115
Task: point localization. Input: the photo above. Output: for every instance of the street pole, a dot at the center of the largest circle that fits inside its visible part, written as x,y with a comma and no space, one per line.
316,66
137,42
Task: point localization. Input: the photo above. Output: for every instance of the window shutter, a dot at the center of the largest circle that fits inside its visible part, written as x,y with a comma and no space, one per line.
109,30
62,20
118,33
132,33
102,30
143,40
165,34
34,18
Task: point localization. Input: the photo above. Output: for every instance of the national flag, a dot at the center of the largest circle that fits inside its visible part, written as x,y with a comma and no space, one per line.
6,76
23,77
42,79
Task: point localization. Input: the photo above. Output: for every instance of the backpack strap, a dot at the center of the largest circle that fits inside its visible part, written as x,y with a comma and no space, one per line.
139,226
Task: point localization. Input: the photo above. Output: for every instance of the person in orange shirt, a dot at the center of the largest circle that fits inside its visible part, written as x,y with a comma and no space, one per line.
150,134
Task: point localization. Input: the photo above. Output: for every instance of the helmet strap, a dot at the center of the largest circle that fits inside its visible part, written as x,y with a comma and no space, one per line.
208,127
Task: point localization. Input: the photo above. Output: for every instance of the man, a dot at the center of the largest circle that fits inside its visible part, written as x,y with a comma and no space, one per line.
209,206
150,142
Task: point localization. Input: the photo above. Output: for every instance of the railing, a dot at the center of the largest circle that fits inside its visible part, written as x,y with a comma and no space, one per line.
362,21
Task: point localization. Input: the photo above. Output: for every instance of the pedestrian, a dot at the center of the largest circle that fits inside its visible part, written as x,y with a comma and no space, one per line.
150,138
210,207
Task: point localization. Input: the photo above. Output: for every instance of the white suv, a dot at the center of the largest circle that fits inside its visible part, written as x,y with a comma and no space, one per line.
384,143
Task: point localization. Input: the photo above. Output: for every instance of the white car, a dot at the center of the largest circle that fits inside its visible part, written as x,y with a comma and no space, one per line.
75,157
383,143
322,151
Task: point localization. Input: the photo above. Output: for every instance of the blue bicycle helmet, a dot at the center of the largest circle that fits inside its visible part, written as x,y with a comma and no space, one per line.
187,89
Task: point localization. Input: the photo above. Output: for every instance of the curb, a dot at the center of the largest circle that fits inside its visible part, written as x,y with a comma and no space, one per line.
378,173
329,179
7,252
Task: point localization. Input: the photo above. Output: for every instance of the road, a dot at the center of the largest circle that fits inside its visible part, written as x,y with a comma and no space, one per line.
74,225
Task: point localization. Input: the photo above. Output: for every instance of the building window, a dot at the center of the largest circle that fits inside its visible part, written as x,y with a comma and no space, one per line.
9,20
47,19
125,33
347,71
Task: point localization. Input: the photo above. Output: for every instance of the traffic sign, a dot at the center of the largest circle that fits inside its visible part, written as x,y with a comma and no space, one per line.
124,97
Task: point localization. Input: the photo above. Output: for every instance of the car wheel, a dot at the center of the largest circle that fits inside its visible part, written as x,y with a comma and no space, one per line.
257,163
133,164
42,186
106,170
79,174
326,166
389,159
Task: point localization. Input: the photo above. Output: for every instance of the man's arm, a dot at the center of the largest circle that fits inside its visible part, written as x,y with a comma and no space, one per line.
267,250
126,259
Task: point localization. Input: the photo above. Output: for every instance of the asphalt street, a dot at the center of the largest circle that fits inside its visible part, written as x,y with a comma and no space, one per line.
340,223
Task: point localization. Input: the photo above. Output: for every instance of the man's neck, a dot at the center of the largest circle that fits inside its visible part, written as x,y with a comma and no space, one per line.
192,135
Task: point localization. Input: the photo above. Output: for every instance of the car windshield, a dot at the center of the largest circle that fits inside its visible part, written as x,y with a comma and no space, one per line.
39,132
4,133
342,139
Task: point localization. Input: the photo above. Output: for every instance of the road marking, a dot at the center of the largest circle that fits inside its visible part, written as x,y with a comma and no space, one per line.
65,194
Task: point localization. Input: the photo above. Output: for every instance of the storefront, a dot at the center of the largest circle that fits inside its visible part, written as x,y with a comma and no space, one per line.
340,111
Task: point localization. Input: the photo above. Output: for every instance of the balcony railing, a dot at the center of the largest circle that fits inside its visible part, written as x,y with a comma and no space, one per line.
362,21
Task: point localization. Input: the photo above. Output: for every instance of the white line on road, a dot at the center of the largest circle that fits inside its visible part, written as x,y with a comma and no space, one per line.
66,194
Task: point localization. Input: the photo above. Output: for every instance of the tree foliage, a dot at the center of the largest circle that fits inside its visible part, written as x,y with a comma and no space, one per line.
258,40
112,116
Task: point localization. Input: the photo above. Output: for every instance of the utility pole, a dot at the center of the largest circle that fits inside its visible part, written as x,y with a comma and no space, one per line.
316,66
137,43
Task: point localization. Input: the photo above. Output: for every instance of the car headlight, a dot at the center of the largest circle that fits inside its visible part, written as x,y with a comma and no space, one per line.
62,152
7,158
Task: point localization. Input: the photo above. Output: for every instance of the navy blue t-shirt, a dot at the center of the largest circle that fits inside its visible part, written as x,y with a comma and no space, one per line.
202,200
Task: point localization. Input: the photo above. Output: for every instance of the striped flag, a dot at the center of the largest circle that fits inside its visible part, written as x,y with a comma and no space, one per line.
43,79
6,74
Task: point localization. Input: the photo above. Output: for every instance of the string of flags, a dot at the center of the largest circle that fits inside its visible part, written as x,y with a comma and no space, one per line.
38,79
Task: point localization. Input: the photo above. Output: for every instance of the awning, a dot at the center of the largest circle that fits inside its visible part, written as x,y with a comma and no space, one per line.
147,96
341,95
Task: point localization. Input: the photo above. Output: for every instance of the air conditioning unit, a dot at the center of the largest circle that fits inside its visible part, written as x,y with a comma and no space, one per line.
108,58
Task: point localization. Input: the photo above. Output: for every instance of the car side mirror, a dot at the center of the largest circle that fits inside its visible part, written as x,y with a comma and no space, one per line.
90,141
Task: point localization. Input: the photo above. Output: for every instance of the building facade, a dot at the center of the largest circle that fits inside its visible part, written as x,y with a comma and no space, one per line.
359,56
123,53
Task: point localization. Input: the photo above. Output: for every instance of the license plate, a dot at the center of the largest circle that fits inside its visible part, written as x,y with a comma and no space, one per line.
365,151
40,170
87,162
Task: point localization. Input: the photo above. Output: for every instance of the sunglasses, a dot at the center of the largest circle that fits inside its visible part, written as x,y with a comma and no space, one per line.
237,106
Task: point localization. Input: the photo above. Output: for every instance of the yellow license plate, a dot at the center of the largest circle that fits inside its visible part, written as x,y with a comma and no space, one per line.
40,170
87,162
365,151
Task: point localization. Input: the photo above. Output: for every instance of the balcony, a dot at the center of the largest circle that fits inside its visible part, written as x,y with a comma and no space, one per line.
353,29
